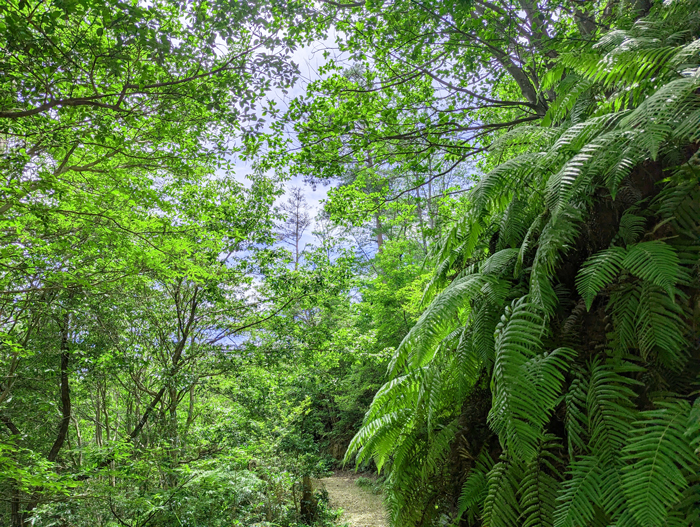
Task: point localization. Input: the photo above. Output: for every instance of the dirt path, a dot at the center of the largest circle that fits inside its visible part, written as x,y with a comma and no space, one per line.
360,507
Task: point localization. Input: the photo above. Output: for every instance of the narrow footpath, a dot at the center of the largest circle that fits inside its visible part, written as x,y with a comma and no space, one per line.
360,507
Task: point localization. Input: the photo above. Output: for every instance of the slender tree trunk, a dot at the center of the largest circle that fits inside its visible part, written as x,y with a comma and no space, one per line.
65,393
98,419
16,516
190,416
308,503
16,513
65,407
108,431
79,438
431,218
419,213
378,228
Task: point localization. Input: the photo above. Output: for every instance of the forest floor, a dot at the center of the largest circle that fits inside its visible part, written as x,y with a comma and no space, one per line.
361,508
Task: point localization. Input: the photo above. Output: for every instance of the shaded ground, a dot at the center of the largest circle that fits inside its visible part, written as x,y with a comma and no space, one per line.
360,507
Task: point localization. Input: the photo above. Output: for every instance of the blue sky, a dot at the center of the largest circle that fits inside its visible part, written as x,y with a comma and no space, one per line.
309,59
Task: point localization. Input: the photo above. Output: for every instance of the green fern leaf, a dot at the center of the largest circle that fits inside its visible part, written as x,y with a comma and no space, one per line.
599,271
538,488
501,507
579,493
610,407
660,327
631,227
655,261
658,455
526,383
475,487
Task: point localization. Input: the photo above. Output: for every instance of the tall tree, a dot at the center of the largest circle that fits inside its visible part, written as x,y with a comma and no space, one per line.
297,221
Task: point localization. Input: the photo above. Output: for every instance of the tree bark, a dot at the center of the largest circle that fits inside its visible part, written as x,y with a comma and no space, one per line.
419,212
308,503
79,438
16,515
378,228
65,410
65,393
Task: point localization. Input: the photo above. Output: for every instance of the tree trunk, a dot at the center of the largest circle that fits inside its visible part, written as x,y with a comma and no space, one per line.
378,228
419,213
16,513
65,393
79,438
308,502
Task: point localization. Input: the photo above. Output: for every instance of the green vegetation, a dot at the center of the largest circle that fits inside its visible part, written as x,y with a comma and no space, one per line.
369,484
496,309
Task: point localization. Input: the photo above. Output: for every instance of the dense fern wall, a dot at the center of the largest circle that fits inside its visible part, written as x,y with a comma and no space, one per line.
553,377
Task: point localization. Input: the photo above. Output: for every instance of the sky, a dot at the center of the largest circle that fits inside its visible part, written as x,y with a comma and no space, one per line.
309,59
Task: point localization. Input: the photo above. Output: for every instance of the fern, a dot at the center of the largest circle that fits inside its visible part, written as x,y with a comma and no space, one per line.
610,407
693,429
419,345
556,240
475,487
525,384
660,327
510,307
655,261
576,421
501,507
631,228
658,455
598,272
539,488
580,493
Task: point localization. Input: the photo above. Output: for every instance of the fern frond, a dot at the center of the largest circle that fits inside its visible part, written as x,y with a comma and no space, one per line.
535,228
613,499
576,421
514,223
372,434
420,344
525,385
501,507
538,488
545,371
623,306
399,392
654,261
495,188
484,323
439,448
681,205
610,407
469,363
658,455
660,327
569,91
579,493
475,488
631,227
581,134
658,114
558,237
498,263
599,271
693,428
